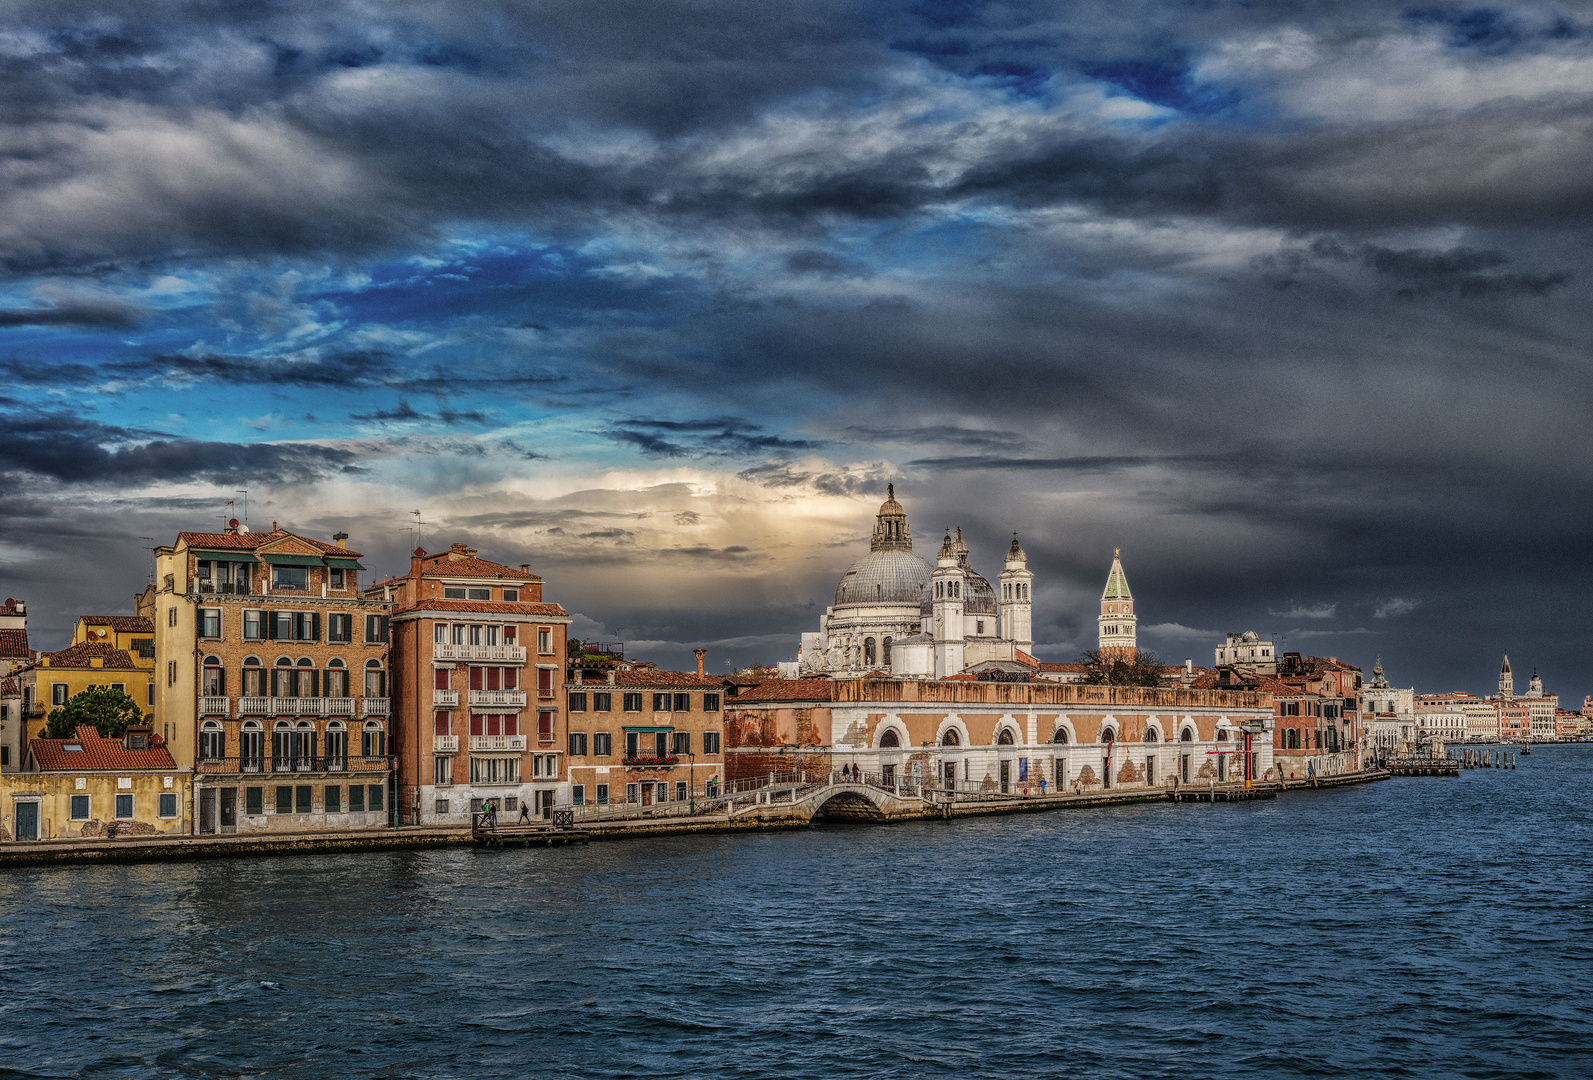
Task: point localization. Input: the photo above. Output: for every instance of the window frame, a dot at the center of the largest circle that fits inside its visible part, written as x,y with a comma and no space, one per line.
131,806
164,799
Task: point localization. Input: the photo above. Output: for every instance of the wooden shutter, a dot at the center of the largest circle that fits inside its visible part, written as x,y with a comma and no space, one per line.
315,626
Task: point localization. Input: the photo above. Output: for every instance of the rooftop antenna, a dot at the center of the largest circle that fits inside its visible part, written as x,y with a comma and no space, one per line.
245,493
151,549
420,537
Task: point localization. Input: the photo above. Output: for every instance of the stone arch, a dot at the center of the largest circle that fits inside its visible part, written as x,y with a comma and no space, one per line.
953,723
1153,731
1007,733
891,735
1109,731
1062,731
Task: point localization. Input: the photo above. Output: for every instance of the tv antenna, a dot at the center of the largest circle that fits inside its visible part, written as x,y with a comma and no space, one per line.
150,547
245,493
420,537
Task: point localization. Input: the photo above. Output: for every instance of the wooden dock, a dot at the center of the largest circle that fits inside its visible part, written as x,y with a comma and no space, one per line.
1424,766
556,831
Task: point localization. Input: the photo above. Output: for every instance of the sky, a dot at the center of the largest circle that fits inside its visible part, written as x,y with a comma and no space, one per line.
1288,301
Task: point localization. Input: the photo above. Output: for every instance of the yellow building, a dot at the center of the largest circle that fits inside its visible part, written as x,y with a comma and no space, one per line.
87,785
54,678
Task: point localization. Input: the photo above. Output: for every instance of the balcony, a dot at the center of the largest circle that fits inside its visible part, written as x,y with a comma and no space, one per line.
375,706
446,651
512,698
214,706
445,744
338,706
650,762
287,706
444,699
338,764
496,742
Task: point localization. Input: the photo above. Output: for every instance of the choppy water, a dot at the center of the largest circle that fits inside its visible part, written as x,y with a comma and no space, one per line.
1421,927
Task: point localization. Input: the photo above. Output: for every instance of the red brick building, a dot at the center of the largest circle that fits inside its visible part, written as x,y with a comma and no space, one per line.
478,680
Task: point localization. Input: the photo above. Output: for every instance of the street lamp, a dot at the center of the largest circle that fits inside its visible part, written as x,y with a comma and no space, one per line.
691,783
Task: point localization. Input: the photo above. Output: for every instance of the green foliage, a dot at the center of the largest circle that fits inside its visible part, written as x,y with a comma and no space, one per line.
107,711
1145,669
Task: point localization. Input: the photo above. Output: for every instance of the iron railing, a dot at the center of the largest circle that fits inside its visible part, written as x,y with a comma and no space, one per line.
293,764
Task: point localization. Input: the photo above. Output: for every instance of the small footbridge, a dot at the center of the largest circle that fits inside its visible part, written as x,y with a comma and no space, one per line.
860,797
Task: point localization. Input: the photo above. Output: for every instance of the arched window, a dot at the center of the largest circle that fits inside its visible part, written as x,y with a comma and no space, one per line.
336,679
868,652
281,746
1187,735
889,739
282,678
951,738
885,652
254,678
251,747
1108,735
375,680
306,679
1222,734
1061,735
1005,737
211,679
336,746
304,746
212,740
373,740
1151,735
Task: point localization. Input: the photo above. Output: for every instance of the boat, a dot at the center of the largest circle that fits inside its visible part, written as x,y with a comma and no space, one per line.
1525,750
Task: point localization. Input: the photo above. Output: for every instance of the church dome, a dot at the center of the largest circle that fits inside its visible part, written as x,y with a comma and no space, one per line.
978,598
884,577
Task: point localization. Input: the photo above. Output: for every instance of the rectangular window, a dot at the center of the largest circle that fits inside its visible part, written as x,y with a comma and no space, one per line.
251,626
545,641
290,577
682,742
80,808
168,804
545,682
149,695
602,744
511,595
710,703
301,799
683,703
441,806
439,633
210,622
284,800
577,744
662,702
602,794
254,801
680,791
442,771
332,798
340,627
124,806
492,635
545,727
58,693
633,702
578,794
661,793
280,628
633,793
577,701
602,701
710,742
373,797
375,629
633,744
356,797
457,636
475,635
481,594
120,687
453,592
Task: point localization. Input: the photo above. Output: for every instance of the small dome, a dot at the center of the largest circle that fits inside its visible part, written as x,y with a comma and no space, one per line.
978,598
883,577
1250,635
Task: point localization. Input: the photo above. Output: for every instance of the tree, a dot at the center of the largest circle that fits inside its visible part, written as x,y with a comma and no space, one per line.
108,711
1143,669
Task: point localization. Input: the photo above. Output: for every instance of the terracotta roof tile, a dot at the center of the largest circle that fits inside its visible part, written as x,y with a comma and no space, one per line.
667,678
790,690
961,677
1024,658
97,753
1063,667
440,565
78,656
495,607
14,644
122,624
254,540
10,686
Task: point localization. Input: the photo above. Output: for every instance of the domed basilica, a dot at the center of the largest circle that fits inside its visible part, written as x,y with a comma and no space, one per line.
897,613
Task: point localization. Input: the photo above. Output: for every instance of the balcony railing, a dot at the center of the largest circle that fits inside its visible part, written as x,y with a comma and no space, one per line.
515,698
288,765
338,706
447,651
497,742
214,706
650,762
445,744
375,706
444,699
301,706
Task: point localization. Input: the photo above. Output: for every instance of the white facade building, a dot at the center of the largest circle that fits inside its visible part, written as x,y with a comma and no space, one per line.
1248,651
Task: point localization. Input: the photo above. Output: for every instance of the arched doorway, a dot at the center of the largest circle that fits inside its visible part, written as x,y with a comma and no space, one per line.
948,766
1109,738
1186,739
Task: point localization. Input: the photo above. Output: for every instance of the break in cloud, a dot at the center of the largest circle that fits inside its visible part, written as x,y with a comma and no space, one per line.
1283,300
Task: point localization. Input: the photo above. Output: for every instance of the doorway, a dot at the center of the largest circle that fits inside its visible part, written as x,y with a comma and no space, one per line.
229,809
1006,777
27,821
888,774
544,802
949,770
207,810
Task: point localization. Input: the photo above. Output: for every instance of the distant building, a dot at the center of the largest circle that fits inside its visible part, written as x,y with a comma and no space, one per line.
1390,722
85,785
1443,716
14,653
1541,706
1247,650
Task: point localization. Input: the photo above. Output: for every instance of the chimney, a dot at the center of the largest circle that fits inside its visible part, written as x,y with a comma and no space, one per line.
1189,665
701,655
525,568
415,558
341,538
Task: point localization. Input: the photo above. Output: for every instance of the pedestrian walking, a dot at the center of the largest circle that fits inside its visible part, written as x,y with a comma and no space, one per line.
525,812
1042,787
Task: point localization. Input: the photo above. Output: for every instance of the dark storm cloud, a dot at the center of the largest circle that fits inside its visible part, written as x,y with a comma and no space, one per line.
406,413
106,314
719,436
63,447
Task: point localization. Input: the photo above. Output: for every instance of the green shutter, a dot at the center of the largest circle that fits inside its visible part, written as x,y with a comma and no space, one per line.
284,800
315,626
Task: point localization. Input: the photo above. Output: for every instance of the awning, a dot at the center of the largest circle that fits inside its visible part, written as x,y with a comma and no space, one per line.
293,560
343,564
223,556
628,728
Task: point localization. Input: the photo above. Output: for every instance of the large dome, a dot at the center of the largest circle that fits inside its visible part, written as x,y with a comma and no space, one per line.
978,597
885,577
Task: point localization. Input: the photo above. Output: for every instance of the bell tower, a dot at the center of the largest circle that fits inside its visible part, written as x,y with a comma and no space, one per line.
1118,637
1016,604
947,586
1507,682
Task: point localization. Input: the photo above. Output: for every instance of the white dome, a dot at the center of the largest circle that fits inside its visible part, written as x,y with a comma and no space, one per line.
884,577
